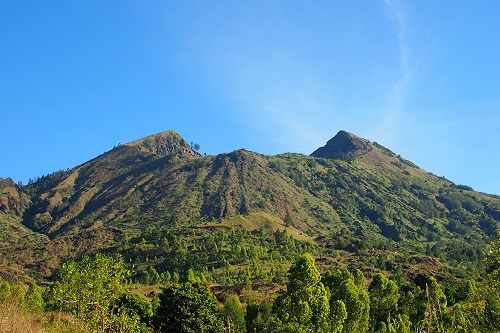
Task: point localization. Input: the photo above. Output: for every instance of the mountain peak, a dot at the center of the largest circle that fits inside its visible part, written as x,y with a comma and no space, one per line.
343,145
163,144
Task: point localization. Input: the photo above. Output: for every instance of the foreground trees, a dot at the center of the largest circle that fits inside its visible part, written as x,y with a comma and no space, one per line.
305,306
492,308
92,292
384,296
234,314
348,288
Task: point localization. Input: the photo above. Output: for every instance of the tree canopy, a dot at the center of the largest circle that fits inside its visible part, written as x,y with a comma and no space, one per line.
188,307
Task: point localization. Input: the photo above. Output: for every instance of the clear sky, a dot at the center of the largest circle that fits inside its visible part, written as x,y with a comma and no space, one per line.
420,77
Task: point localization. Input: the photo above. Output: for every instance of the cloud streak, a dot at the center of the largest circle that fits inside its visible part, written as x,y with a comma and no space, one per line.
297,86
277,92
283,97
397,98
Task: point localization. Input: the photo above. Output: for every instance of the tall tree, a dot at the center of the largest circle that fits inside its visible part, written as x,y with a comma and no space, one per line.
344,287
234,314
435,315
257,315
33,299
304,307
492,309
384,296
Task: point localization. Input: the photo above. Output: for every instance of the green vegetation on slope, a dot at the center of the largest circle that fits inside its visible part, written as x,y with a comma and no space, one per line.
90,296
165,208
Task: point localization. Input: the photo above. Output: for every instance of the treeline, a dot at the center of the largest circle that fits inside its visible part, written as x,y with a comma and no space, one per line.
91,295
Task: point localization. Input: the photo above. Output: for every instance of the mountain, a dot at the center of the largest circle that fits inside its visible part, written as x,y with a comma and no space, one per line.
342,146
242,215
164,144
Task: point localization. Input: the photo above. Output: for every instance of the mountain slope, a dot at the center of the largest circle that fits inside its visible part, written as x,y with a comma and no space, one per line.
13,202
157,198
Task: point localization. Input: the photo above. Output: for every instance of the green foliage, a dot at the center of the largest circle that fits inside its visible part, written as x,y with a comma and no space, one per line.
188,308
190,276
335,302
305,307
492,309
236,255
344,287
135,305
234,314
493,268
384,296
90,290
5,290
338,315
458,290
257,315
33,299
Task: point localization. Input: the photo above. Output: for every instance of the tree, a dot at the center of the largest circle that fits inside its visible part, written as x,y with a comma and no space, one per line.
136,305
338,314
188,308
33,299
493,268
195,146
5,291
257,315
90,289
436,306
234,314
189,276
492,310
384,296
288,220
304,307
344,287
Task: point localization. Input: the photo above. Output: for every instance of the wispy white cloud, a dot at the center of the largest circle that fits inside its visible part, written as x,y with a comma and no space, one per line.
298,86
280,94
287,96
389,127
285,106
264,66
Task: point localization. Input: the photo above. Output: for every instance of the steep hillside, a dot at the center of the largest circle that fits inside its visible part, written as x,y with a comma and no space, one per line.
13,202
74,198
132,187
166,208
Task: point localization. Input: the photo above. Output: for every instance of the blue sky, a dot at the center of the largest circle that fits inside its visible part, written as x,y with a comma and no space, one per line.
420,77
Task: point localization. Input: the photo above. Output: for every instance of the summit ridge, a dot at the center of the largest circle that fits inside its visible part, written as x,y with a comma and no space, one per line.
343,145
164,143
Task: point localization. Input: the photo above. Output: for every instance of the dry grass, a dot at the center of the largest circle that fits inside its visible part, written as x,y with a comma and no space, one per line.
14,319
